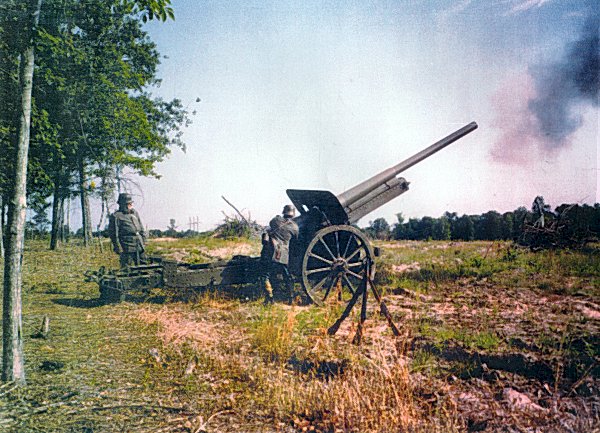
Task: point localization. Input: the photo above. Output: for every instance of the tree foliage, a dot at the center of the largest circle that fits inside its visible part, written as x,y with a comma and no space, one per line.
66,79
94,116
379,229
571,224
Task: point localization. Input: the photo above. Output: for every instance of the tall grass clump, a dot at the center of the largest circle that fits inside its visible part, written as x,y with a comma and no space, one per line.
272,334
373,394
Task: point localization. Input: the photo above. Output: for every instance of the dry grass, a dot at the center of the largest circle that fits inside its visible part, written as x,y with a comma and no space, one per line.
312,383
229,365
368,397
272,337
365,392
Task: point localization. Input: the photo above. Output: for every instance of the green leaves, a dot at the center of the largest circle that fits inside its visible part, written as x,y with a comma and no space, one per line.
95,66
151,9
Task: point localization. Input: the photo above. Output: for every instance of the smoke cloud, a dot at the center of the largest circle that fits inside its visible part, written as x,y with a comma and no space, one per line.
554,93
564,85
518,139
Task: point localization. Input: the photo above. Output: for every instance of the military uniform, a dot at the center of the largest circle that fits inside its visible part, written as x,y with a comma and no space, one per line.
127,233
275,254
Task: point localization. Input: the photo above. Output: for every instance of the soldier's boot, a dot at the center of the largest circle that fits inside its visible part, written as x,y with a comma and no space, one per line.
268,292
290,287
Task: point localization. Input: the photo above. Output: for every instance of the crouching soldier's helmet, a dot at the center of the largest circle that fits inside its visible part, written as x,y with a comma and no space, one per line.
289,211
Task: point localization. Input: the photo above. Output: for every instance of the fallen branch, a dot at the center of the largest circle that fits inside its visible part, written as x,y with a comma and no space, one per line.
203,425
10,390
582,378
7,384
45,408
136,406
236,209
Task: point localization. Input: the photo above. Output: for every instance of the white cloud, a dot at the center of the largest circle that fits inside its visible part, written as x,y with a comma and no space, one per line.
460,6
524,5
454,9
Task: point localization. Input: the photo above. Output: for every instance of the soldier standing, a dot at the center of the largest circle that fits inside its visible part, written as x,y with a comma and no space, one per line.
127,232
276,251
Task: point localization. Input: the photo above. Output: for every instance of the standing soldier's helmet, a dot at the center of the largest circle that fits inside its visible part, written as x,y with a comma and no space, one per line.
289,211
124,199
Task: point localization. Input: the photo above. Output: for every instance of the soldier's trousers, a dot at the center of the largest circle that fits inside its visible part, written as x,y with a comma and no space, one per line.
132,259
270,273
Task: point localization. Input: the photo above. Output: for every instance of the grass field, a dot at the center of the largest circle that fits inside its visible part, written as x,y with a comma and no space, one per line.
494,338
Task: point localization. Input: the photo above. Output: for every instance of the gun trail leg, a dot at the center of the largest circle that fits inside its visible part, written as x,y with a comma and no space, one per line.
363,312
334,328
384,310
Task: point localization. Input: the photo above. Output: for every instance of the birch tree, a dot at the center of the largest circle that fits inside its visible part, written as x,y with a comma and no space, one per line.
12,342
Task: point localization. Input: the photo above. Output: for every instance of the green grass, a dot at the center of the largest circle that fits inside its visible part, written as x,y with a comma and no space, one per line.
424,361
98,354
233,361
441,334
498,262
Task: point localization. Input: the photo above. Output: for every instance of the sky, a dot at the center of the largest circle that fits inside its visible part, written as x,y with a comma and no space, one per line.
325,94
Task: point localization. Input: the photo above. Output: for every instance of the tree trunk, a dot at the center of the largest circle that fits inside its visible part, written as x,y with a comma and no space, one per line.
1,227
66,228
13,365
55,237
86,221
118,178
104,207
62,231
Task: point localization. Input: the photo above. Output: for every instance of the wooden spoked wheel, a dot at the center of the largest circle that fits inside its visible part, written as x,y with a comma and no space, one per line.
334,263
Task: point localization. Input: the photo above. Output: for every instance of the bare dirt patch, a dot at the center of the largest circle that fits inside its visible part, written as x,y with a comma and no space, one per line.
415,266
177,327
517,359
226,252
164,239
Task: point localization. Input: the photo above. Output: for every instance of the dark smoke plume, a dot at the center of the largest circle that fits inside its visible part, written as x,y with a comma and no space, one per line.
561,86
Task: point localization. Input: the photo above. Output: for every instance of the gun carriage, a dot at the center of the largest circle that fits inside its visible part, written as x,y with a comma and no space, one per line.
330,255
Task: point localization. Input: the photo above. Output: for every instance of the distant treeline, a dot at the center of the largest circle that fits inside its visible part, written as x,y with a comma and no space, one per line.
577,223
580,222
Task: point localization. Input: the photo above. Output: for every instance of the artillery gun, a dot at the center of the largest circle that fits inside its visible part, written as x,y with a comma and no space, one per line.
330,255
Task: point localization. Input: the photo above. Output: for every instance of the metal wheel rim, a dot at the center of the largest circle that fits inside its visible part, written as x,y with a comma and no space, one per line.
334,260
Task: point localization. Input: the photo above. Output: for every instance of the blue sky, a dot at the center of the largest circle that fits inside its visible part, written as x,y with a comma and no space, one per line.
322,95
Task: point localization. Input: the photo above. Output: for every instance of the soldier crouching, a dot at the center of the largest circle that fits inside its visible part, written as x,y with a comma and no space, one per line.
127,233
276,252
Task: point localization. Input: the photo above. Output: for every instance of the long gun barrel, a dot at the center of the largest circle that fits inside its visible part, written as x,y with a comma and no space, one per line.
381,188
